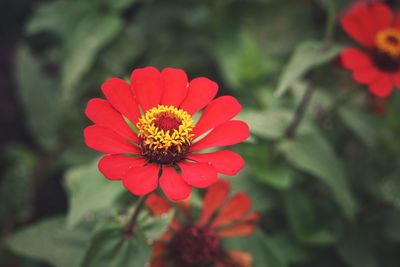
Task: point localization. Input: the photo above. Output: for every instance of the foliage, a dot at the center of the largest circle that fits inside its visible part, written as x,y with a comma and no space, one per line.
328,194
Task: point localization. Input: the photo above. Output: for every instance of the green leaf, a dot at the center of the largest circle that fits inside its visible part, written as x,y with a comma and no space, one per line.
290,249
51,242
302,220
93,33
270,125
108,249
39,96
154,226
308,55
89,192
263,251
361,124
312,153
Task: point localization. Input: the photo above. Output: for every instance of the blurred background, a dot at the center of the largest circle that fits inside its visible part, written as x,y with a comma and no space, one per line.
329,193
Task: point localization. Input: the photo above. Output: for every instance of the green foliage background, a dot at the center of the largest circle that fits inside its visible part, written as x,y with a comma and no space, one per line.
329,193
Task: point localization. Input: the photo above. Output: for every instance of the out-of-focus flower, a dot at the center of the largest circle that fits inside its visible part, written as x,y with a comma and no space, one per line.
374,26
147,130
198,244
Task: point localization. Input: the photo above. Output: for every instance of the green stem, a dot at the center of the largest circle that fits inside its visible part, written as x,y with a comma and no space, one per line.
330,22
130,228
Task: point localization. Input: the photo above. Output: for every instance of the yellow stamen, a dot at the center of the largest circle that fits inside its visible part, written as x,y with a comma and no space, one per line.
388,41
155,138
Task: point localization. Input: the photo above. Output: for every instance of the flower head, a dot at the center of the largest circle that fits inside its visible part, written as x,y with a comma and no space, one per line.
198,244
374,26
147,130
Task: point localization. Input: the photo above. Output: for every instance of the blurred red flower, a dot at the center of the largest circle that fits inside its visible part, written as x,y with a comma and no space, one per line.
374,26
147,130
198,244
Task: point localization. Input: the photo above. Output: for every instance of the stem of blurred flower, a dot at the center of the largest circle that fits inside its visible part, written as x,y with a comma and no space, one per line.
301,109
130,228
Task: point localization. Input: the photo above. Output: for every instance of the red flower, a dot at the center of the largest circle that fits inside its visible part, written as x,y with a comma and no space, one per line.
374,26
198,244
147,130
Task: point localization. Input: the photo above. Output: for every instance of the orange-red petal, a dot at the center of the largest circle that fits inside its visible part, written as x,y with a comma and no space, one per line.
157,204
244,227
234,210
147,86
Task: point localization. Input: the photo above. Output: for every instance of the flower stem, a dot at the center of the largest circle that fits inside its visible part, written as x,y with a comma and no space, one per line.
330,22
299,113
130,228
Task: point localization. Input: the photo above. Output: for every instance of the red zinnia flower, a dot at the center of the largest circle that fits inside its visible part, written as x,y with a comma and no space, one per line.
374,26
147,130
198,244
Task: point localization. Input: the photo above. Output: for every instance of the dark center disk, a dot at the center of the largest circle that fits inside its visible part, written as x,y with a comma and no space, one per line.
385,61
166,122
393,40
194,247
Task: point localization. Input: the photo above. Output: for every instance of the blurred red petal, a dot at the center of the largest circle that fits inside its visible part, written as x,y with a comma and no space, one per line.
245,227
397,80
382,86
217,112
201,91
141,180
364,20
224,161
102,113
228,133
355,59
173,185
147,86
235,209
157,204
114,167
119,94
214,198
199,175
235,258
107,141
175,83
366,75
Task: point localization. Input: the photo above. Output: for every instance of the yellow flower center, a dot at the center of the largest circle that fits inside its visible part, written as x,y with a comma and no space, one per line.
388,41
165,133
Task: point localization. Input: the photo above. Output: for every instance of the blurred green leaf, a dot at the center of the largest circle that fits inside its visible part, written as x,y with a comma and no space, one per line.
89,192
361,124
16,183
391,227
109,249
39,96
390,188
290,249
154,226
51,242
270,125
308,55
84,44
302,220
312,153
242,60
263,251
57,17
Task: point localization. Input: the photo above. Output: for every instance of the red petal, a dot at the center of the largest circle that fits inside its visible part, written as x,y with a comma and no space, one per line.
201,91
173,185
102,113
157,204
355,59
226,134
114,167
107,141
199,175
234,210
366,75
235,258
382,86
397,21
243,228
142,180
224,161
175,84
147,86
213,199
219,110
363,21
119,94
